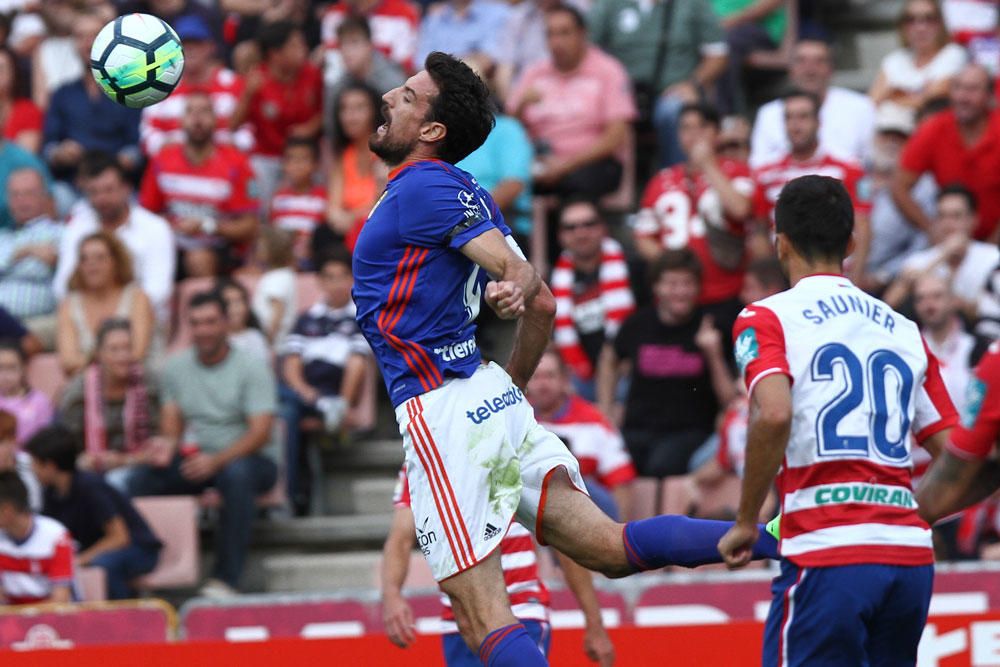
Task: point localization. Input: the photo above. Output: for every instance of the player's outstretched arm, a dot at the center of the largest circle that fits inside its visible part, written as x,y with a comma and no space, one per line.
767,437
396,612
517,291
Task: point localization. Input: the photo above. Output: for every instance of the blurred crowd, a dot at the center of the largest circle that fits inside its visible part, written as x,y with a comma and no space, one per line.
186,268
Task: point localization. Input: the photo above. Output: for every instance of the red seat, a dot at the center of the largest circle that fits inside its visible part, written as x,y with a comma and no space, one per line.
566,611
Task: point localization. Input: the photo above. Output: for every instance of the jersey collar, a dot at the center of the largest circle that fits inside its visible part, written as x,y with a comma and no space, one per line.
406,165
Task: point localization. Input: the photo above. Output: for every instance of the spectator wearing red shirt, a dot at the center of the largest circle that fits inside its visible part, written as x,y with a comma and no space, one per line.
960,145
283,98
203,191
703,204
576,106
24,121
299,205
807,157
161,123
394,28
604,463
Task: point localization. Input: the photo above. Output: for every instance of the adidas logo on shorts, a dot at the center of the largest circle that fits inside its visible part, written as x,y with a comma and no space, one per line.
491,532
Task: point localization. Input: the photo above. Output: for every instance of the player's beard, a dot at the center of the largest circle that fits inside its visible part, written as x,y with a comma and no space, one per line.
392,151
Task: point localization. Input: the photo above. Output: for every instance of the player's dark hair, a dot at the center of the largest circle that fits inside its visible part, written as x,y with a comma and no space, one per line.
94,163
354,25
340,139
574,13
462,105
56,444
959,190
708,113
303,142
768,272
682,259
816,215
798,93
273,36
334,255
207,298
13,491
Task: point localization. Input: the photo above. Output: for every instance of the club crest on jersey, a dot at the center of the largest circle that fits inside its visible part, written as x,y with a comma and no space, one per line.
974,395
746,348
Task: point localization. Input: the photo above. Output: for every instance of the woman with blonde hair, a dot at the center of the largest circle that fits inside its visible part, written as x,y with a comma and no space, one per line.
102,286
921,70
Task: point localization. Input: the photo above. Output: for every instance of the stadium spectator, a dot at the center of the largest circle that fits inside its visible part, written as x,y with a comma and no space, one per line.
733,142
244,329
847,118
12,329
960,145
357,176
467,29
173,11
893,238
202,188
102,286
970,20
28,255
273,300
394,29
750,25
502,165
921,71
108,530
22,119
147,236
161,123
987,323
703,204
673,52
36,551
112,407
218,406
14,158
31,408
282,98
522,43
81,118
12,457
299,205
964,262
55,63
807,156
577,108
764,277
590,282
359,62
528,596
605,465
323,366
678,376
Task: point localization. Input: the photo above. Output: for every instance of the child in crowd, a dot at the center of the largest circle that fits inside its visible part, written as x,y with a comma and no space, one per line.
299,205
107,528
36,552
244,329
323,365
32,408
12,458
274,299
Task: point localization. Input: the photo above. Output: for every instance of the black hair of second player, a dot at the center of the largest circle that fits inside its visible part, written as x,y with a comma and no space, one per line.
463,105
816,215
55,444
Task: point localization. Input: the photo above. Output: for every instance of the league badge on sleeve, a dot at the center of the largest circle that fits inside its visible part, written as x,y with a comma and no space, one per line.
975,392
746,349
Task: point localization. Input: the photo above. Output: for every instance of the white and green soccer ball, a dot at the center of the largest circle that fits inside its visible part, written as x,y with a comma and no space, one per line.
137,59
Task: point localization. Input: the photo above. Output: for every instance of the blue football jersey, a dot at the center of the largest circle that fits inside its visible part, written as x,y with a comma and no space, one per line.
417,295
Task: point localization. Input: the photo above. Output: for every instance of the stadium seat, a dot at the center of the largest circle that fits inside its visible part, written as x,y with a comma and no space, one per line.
644,500
686,604
418,575
45,374
566,611
92,584
181,337
174,520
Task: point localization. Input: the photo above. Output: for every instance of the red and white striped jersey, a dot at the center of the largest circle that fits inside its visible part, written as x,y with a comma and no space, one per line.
30,569
732,453
595,443
979,432
864,385
771,178
300,213
967,20
678,210
529,598
394,25
161,123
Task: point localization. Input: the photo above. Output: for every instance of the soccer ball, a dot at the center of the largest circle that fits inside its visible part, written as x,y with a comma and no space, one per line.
137,59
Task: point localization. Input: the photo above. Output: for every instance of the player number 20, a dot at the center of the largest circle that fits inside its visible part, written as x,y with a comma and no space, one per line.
865,383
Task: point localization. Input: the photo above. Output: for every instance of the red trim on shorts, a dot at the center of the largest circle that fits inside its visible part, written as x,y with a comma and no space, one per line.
784,617
445,517
545,494
493,639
